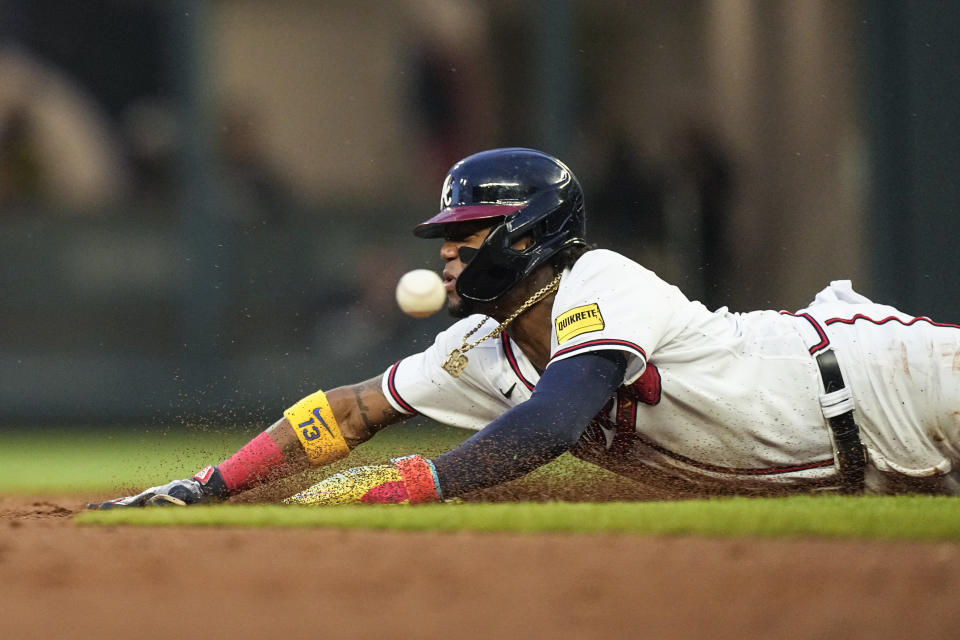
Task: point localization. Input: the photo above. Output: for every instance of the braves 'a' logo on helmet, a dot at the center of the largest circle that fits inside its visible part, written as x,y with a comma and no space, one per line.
446,193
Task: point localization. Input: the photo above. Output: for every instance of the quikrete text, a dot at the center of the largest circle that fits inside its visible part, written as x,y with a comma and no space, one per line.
576,317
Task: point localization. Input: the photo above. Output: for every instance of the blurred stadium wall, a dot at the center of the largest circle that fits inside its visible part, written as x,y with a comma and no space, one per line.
204,207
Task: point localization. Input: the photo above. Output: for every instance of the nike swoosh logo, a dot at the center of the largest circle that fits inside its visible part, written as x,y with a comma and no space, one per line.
508,392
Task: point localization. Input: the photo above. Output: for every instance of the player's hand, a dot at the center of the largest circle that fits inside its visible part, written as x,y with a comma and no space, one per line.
407,480
207,486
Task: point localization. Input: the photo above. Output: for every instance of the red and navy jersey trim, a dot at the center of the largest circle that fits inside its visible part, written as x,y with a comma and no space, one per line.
905,323
591,344
765,471
392,386
824,340
512,359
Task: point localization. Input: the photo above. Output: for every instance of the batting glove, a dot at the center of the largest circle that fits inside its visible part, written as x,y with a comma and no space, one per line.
207,486
407,480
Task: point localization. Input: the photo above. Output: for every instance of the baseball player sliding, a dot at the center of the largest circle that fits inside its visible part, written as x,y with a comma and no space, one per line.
561,348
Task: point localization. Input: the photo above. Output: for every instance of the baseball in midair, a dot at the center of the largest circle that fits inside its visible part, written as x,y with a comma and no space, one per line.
420,293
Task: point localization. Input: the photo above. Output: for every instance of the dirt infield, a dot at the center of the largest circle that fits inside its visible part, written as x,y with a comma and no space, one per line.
63,580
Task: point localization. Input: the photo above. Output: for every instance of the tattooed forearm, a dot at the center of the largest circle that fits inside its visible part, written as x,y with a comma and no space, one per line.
372,407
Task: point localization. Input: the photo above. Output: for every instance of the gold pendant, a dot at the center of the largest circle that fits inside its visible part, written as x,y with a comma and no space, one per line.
455,363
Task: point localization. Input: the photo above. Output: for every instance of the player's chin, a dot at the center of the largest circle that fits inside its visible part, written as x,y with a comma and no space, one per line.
457,307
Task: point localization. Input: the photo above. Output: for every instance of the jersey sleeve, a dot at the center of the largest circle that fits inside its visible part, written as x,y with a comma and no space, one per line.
418,384
607,301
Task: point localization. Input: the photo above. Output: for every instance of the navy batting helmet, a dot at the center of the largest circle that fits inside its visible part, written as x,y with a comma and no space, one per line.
522,192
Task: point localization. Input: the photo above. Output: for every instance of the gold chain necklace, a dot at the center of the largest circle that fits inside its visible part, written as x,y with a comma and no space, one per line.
456,362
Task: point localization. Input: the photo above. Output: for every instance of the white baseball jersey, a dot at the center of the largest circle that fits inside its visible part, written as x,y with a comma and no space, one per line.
712,398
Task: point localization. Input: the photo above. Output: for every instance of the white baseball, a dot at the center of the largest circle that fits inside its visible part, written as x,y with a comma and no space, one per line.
420,293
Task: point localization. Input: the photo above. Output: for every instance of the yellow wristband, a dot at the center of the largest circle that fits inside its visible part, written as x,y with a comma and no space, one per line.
313,421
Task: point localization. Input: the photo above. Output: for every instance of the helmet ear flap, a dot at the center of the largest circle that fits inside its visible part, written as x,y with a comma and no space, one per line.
493,269
466,254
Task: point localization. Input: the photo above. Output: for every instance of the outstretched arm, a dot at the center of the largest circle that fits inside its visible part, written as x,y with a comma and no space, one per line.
527,436
570,393
360,410
317,430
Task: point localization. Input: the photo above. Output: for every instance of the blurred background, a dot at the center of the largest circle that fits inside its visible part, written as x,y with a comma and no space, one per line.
204,206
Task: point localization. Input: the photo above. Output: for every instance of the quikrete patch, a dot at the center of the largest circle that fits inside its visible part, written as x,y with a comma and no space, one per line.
577,321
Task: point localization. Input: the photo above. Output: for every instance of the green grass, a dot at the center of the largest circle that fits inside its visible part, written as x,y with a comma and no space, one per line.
76,460
881,518
84,460
81,461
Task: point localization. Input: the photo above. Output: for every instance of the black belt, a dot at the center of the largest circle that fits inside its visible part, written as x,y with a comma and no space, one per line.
846,434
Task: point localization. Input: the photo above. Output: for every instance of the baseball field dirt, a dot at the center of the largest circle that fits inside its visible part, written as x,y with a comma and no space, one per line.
66,580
